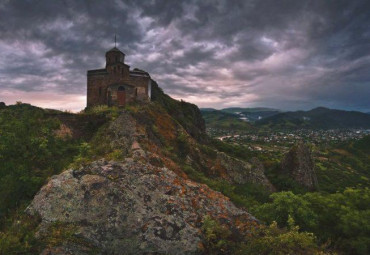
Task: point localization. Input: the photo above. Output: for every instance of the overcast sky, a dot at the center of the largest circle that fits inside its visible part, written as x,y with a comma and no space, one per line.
285,54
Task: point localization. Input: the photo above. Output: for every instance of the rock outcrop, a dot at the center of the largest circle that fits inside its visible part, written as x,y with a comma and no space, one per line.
131,207
188,115
241,172
142,201
170,133
298,163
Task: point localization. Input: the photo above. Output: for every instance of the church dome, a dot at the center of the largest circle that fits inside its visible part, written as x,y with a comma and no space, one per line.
114,56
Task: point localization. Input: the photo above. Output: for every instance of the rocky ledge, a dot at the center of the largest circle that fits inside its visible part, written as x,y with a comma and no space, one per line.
131,207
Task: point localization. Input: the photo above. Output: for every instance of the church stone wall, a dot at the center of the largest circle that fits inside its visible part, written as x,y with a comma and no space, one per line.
102,84
96,90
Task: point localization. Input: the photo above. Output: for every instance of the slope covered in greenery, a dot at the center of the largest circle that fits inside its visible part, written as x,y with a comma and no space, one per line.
175,132
344,165
166,138
226,121
35,144
343,175
30,151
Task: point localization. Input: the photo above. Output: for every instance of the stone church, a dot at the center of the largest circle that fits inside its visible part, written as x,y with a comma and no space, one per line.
116,84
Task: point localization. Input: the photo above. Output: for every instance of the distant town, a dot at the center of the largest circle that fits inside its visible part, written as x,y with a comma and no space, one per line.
281,138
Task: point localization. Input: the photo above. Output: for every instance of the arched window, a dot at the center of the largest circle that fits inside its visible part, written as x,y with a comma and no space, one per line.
121,88
99,91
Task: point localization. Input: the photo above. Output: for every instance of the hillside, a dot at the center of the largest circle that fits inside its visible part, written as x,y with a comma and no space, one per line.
235,118
222,120
248,110
344,165
318,118
34,144
131,183
133,163
143,179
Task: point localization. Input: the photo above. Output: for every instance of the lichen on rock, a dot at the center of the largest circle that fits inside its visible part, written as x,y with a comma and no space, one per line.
240,172
134,207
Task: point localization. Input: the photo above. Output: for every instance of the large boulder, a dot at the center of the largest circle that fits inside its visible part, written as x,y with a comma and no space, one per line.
299,164
131,207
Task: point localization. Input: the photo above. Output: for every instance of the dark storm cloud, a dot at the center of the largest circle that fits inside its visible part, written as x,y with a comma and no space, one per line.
285,54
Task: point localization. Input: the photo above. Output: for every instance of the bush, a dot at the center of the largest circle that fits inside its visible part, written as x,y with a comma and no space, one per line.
216,237
343,219
261,240
274,240
182,145
20,237
285,204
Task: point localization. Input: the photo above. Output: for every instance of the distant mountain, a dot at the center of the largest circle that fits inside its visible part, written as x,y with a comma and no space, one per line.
258,115
317,118
237,113
207,109
224,120
252,114
255,109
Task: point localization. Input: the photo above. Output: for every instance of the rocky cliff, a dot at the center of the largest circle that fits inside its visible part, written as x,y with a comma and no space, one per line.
298,163
180,129
240,172
128,191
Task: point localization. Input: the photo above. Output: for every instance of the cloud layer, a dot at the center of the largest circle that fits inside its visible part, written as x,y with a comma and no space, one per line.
285,54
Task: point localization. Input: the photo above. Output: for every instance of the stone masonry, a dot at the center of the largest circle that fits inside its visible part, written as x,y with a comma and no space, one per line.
116,84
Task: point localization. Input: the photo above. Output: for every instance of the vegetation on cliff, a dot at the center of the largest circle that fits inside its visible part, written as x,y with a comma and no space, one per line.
32,148
37,143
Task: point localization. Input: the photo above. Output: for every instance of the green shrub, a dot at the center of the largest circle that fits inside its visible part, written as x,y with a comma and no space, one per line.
182,145
216,237
273,240
20,238
343,219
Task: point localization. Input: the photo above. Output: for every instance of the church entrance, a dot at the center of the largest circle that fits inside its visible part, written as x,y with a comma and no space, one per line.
121,96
